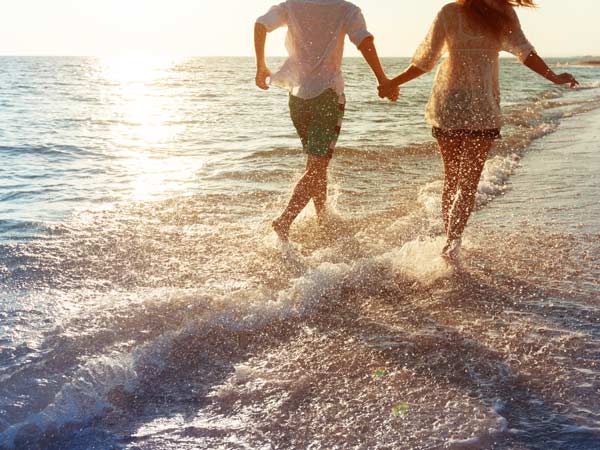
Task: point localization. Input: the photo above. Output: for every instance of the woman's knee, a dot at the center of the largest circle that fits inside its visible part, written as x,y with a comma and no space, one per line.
451,178
477,149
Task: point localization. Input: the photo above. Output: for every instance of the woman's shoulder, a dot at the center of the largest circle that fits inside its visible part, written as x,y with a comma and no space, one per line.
449,11
452,7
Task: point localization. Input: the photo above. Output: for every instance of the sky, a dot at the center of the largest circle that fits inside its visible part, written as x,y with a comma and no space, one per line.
224,27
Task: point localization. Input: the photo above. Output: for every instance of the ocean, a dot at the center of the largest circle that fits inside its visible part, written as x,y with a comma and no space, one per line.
146,304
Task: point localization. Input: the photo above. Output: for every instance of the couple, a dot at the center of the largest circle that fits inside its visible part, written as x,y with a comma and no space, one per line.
464,108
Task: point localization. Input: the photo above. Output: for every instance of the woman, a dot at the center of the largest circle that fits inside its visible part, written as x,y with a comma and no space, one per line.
464,108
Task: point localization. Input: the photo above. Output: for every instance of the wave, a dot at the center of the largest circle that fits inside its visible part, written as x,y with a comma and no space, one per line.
113,358
529,121
24,226
372,153
588,85
496,172
24,194
56,152
593,63
108,378
108,382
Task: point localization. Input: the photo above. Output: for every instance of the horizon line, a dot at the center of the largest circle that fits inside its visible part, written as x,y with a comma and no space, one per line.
133,54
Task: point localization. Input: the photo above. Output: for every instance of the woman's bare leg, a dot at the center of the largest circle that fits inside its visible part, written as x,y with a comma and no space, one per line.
451,149
472,160
312,185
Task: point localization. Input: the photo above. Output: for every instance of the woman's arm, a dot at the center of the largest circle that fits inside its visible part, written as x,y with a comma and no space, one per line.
409,74
515,42
537,64
426,56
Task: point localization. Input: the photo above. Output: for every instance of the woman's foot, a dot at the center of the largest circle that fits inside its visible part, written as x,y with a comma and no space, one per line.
282,229
451,250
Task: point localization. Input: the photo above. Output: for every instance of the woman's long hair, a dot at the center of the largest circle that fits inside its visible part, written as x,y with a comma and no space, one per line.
493,13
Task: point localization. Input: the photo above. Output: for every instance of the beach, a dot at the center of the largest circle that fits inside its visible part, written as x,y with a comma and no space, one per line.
145,302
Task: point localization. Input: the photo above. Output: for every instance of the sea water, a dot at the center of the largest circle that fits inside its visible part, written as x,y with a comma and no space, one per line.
145,302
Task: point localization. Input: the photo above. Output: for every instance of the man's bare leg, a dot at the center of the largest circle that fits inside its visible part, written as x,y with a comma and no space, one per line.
320,197
312,185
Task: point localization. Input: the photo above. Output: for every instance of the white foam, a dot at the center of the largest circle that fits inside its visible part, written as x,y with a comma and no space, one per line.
78,401
496,173
419,260
491,428
588,85
430,197
292,259
86,396
494,176
474,442
244,373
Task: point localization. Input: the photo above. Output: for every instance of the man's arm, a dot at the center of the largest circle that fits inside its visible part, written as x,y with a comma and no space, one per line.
262,71
369,52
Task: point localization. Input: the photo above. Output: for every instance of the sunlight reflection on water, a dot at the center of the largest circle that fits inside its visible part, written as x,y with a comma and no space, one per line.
148,125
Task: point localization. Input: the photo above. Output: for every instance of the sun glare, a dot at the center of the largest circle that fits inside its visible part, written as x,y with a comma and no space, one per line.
144,135
138,68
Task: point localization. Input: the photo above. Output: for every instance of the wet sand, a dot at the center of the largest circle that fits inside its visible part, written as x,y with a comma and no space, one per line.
501,356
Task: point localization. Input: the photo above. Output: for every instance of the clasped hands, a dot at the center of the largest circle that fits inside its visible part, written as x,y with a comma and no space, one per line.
387,89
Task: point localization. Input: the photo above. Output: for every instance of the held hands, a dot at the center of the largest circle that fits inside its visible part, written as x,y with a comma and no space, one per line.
388,90
262,73
565,78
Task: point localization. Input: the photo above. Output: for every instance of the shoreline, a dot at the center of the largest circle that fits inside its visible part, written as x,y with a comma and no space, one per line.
594,63
555,184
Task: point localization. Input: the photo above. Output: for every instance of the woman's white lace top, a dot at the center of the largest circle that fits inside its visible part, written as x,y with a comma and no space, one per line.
466,93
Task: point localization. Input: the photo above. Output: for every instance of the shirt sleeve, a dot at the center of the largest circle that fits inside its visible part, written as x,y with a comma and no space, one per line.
433,46
276,17
514,40
356,28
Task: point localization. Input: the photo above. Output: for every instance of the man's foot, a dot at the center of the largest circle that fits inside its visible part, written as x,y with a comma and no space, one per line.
451,250
282,229
324,219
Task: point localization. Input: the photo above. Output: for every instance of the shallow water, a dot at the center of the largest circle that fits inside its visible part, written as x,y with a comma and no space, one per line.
146,304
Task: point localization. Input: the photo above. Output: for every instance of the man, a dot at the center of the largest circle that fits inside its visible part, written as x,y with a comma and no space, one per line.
312,75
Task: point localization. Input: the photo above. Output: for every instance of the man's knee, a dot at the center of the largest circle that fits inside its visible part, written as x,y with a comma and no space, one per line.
317,177
317,166
314,175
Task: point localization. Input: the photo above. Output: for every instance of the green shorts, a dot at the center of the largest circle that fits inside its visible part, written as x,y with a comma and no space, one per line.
318,121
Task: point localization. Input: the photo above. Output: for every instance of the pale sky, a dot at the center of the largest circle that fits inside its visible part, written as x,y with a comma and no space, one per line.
224,27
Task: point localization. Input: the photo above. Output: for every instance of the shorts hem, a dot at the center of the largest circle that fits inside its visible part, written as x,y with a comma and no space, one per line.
446,133
318,122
